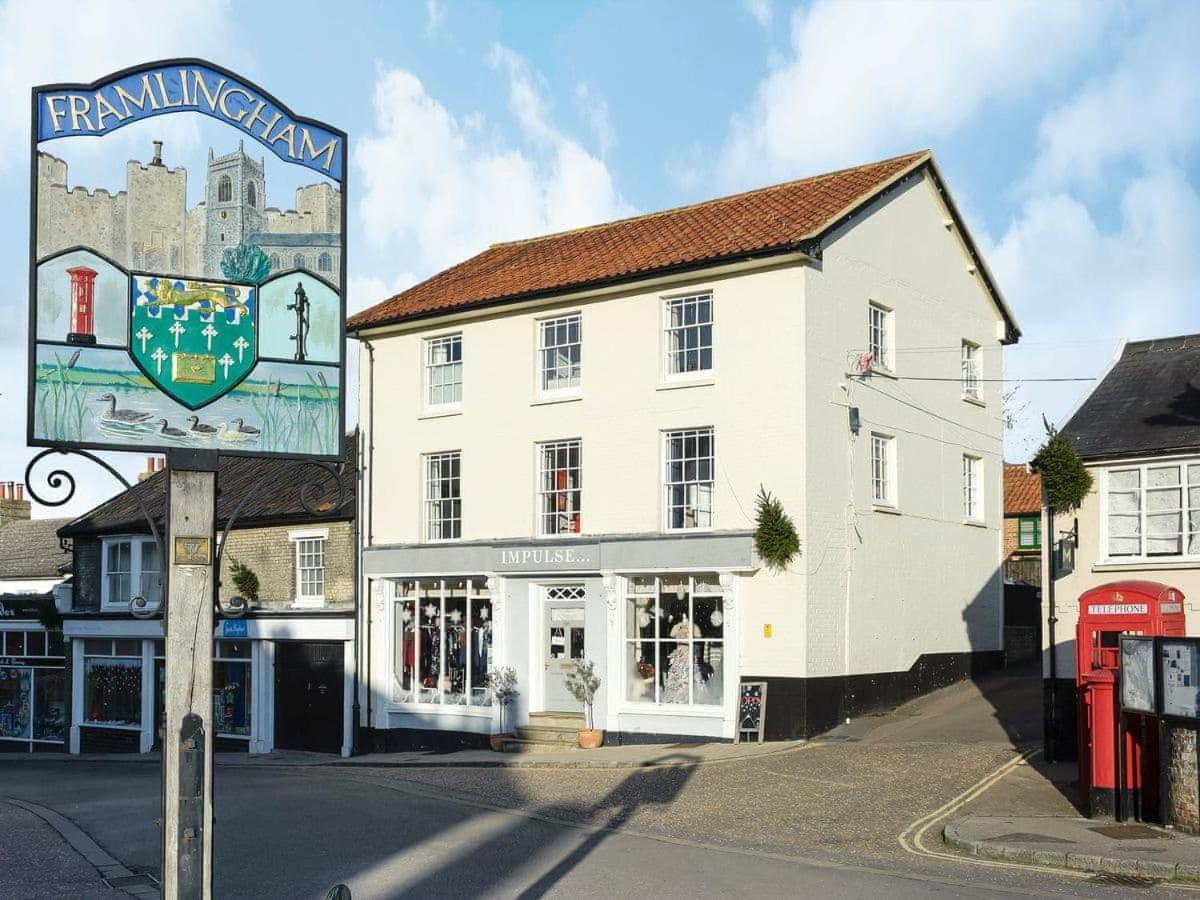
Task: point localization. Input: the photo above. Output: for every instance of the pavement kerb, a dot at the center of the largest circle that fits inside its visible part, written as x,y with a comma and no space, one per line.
99,858
366,760
546,764
1079,862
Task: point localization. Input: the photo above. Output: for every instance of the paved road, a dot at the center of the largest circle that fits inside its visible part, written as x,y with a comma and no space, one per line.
36,864
820,821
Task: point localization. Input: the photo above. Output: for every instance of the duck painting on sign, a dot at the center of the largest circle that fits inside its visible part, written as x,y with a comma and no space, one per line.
171,310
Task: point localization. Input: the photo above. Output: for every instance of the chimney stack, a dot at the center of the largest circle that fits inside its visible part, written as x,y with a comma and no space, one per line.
13,505
152,465
157,161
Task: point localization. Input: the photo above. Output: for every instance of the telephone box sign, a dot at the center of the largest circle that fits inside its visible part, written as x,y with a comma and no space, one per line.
192,296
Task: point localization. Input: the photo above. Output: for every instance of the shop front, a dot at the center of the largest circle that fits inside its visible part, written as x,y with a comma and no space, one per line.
33,714
119,680
657,618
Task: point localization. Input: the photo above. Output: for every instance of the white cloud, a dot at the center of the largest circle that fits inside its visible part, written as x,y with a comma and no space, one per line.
761,11
864,80
1144,109
1081,280
437,188
435,15
593,109
80,40
1079,287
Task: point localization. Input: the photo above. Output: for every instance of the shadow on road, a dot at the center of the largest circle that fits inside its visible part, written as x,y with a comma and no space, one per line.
657,785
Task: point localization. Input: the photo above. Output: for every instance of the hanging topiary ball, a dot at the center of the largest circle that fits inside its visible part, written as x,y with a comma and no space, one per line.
775,538
1065,479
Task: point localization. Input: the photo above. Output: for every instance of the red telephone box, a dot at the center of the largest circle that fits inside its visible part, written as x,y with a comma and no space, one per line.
83,305
1105,613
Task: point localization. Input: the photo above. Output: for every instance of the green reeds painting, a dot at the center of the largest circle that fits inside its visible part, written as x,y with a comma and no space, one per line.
96,396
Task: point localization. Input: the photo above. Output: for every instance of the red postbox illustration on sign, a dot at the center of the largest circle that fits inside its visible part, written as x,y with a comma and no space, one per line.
83,305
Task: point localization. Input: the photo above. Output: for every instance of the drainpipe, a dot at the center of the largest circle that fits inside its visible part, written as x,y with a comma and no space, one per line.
367,504
1051,618
355,708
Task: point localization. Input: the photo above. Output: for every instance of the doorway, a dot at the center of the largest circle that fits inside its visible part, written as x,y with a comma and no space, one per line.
563,643
308,696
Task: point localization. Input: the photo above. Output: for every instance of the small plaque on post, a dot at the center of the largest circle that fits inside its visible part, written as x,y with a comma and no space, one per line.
192,551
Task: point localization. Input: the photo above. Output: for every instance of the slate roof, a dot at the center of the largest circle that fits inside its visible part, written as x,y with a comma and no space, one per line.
29,549
1022,491
771,220
277,502
1148,402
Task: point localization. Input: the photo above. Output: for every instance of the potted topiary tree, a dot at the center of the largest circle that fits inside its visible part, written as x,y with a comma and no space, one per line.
583,682
504,688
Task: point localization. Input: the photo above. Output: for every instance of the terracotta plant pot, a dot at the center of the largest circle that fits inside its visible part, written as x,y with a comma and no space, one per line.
497,741
590,738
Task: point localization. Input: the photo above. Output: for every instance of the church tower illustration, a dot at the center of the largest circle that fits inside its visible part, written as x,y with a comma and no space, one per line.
234,197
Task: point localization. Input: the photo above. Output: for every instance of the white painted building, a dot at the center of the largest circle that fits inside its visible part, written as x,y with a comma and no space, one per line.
565,438
1138,432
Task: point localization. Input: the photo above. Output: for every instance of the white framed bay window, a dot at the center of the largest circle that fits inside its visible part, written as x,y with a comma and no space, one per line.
972,371
880,335
559,487
674,651
688,336
1151,511
560,355
972,488
442,646
443,378
883,470
129,567
310,545
442,504
689,478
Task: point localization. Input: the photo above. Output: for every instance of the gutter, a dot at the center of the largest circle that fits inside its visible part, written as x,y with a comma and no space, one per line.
583,290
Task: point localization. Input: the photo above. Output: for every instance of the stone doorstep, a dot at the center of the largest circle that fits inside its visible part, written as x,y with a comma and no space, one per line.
989,848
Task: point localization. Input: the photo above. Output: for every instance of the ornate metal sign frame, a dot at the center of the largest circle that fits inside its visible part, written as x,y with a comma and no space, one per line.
221,94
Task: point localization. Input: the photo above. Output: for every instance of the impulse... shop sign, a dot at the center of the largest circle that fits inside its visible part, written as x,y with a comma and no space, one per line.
98,109
548,559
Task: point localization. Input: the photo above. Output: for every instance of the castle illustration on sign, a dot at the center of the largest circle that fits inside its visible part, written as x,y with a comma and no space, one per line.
148,227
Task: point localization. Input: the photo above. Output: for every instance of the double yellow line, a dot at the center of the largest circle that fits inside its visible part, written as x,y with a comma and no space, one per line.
912,839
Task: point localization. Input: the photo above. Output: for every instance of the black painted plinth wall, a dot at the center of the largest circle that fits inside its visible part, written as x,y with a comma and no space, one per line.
805,707
1065,725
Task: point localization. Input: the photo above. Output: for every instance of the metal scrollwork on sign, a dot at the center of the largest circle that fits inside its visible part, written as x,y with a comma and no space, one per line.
63,480
313,491
310,493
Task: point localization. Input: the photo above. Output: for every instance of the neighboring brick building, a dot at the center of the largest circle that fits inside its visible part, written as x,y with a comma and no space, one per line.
282,675
1022,525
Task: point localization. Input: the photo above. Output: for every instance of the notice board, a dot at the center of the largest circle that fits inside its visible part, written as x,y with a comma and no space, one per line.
1180,662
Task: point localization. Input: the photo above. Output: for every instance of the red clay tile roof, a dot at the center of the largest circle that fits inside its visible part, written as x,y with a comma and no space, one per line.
1022,491
771,219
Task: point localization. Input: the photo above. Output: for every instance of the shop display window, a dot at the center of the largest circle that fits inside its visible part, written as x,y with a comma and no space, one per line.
32,695
16,699
49,705
443,642
674,640
112,683
232,688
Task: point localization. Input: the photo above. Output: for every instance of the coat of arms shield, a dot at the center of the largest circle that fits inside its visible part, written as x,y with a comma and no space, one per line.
195,340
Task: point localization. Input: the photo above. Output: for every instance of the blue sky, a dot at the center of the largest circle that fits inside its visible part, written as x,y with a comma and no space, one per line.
1068,133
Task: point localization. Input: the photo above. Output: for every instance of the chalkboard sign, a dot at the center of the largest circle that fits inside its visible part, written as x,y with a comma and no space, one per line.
752,710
